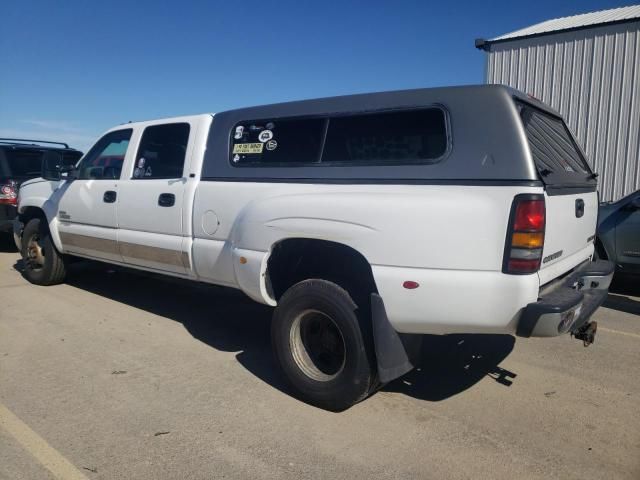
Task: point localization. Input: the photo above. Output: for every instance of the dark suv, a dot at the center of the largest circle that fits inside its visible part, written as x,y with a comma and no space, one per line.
21,160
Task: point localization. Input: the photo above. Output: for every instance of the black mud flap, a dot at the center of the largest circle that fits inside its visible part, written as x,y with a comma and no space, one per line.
394,351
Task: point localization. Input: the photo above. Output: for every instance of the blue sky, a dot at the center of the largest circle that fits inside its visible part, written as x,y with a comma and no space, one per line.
72,69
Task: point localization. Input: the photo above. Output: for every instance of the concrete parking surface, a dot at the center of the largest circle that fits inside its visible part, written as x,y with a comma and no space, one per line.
118,374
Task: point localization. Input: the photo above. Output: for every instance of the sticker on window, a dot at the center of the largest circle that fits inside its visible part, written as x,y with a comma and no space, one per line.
247,148
265,136
272,145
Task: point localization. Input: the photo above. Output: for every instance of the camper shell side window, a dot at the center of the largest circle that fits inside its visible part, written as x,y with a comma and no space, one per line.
398,137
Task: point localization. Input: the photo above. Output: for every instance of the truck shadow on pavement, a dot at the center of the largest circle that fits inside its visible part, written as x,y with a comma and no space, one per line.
450,364
227,320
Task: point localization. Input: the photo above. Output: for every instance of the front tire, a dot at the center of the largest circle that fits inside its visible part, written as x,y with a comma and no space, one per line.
320,347
43,264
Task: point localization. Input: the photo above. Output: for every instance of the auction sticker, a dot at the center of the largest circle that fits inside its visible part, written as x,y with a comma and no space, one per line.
247,148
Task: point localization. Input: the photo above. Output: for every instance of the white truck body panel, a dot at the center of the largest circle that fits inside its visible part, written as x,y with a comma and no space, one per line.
434,246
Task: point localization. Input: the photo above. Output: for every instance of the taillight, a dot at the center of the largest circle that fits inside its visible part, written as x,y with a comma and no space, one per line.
9,193
525,236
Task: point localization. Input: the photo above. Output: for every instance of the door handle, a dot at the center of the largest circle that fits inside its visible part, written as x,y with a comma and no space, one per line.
166,200
109,196
579,208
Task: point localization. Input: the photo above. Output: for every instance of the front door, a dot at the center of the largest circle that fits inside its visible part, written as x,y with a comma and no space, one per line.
87,203
150,211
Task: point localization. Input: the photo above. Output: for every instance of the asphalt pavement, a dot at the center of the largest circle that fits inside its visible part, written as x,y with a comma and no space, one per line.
118,374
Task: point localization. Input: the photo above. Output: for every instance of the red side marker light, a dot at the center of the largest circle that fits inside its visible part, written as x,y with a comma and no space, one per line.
410,285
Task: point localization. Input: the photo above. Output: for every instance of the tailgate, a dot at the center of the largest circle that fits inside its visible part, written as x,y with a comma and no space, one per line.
571,199
569,232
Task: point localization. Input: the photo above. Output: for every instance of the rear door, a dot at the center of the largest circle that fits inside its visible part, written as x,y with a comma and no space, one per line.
571,198
151,199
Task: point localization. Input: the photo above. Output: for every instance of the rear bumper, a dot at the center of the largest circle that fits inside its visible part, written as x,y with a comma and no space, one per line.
569,305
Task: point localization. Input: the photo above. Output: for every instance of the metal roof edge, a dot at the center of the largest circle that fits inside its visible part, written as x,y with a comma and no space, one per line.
483,44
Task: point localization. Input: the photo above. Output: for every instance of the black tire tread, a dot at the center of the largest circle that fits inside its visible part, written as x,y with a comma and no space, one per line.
54,271
365,374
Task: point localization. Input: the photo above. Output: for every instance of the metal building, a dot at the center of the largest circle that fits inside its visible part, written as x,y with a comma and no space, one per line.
588,68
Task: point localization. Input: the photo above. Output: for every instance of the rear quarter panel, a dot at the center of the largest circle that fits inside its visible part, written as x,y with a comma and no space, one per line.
452,237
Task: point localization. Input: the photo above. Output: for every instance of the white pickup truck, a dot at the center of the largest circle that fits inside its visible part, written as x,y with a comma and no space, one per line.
365,220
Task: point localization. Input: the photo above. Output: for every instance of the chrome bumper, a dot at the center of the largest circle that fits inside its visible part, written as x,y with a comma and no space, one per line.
568,307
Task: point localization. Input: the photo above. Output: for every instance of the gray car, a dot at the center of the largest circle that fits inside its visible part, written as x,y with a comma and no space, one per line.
619,233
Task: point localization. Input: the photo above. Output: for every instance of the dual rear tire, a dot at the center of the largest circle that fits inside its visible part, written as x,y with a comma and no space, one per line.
323,346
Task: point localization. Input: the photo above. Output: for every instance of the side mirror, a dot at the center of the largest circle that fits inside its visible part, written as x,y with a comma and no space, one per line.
51,164
67,171
635,203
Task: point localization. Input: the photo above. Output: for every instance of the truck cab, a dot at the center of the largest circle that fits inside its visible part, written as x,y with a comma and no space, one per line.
130,198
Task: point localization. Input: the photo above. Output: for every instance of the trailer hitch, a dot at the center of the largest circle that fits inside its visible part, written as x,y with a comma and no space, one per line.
586,333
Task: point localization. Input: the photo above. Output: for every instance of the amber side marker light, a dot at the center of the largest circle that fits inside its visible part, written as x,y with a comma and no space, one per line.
525,235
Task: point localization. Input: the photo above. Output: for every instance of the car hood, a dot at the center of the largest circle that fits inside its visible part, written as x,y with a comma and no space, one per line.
31,181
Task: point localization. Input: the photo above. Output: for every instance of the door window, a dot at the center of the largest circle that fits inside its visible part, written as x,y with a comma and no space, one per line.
22,163
104,160
162,152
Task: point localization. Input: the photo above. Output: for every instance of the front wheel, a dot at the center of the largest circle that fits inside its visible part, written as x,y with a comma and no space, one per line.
43,264
320,347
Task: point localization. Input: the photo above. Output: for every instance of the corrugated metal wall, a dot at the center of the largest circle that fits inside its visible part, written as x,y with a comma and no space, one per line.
592,77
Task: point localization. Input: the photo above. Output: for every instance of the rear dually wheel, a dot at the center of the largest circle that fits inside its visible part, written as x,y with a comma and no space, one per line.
320,347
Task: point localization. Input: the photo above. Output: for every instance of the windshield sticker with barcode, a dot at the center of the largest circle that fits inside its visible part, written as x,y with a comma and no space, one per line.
248,148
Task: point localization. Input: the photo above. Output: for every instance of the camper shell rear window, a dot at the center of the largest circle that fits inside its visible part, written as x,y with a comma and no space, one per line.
555,153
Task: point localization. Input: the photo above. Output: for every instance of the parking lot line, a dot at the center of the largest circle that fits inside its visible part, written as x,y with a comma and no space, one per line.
44,453
610,330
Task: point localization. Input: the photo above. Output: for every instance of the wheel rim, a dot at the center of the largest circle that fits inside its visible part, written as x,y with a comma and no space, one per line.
35,253
317,345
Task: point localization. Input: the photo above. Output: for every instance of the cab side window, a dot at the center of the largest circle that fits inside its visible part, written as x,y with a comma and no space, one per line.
162,152
104,160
